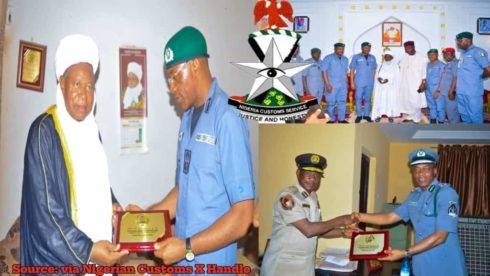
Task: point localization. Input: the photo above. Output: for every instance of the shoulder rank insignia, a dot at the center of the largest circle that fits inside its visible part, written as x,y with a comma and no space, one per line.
452,210
431,188
287,202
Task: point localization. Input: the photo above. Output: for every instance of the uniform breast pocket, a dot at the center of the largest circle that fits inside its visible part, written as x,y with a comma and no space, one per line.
205,152
429,210
413,209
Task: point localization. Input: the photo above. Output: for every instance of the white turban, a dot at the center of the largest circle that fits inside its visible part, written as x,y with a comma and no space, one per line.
388,52
136,69
89,163
74,49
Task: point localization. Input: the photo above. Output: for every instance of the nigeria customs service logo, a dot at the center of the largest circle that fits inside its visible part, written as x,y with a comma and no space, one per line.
272,97
169,55
142,221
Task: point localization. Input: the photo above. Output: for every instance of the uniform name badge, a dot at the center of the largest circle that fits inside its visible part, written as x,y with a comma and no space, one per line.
139,231
369,245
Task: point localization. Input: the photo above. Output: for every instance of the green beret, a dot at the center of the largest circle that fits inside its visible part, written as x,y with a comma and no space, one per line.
339,44
433,51
316,50
422,156
311,162
366,44
186,44
464,35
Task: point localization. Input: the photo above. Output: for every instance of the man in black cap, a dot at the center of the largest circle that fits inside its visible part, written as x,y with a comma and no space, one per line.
297,222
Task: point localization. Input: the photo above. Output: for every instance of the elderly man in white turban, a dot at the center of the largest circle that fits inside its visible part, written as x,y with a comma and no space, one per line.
134,87
386,85
67,202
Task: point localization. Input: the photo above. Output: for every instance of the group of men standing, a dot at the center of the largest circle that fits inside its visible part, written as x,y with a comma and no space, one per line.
451,90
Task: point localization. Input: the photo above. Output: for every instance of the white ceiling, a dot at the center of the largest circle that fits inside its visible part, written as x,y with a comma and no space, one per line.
413,1
444,134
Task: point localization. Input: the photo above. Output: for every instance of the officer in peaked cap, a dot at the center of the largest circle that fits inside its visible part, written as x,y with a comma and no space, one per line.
433,209
297,222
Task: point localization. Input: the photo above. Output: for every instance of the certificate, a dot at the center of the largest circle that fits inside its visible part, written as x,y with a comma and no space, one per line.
369,245
31,66
139,231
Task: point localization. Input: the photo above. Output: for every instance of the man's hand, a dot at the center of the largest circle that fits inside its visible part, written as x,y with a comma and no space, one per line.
348,220
436,94
422,86
315,119
170,250
115,208
349,231
106,253
393,255
452,95
329,87
256,220
133,208
356,216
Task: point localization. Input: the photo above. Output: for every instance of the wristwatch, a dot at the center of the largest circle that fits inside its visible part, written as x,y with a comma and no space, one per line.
189,255
407,253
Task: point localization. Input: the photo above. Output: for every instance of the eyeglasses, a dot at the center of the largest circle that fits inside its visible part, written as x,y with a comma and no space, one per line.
171,79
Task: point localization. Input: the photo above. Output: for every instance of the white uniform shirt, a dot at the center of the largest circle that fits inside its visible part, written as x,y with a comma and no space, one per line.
289,251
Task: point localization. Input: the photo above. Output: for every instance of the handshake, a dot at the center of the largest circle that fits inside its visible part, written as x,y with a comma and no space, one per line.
348,224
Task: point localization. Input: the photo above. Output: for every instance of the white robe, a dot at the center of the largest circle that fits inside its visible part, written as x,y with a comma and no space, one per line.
385,101
131,95
412,71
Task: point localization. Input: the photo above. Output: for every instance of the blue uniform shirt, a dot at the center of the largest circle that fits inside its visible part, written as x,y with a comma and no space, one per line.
436,208
313,75
214,171
449,72
470,71
433,74
298,78
336,70
363,67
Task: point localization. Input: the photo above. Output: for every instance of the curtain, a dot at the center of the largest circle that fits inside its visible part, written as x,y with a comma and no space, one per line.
467,169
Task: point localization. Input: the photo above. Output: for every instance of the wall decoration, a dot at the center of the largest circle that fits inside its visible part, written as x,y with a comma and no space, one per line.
483,26
133,99
392,35
31,66
301,24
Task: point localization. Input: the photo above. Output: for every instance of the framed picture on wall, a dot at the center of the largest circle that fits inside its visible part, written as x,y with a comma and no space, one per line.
483,26
392,34
301,24
31,66
133,100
